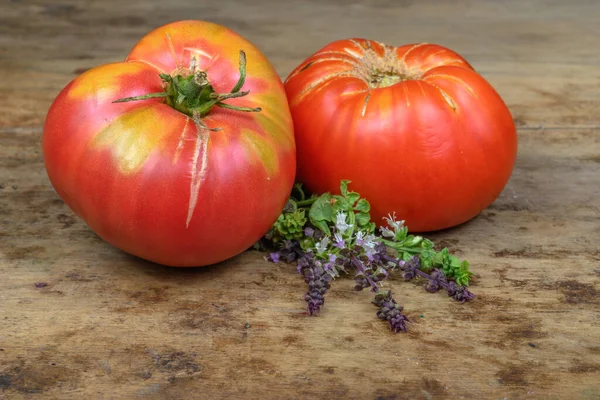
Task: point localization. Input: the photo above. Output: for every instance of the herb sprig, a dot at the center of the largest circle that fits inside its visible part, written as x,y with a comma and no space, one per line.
332,234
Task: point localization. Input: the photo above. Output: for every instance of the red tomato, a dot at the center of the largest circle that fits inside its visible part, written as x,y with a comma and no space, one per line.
151,180
415,128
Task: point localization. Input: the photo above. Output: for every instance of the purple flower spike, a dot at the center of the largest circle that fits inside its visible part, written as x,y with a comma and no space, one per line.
459,293
331,263
318,282
302,264
435,281
274,257
390,310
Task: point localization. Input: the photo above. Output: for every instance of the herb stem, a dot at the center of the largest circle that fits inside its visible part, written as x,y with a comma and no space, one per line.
435,280
306,203
298,188
356,262
416,270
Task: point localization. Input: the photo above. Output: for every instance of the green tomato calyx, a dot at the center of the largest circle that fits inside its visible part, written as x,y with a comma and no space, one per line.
189,91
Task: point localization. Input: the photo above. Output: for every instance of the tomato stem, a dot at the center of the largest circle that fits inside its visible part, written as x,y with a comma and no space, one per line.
242,78
243,109
143,97
193,95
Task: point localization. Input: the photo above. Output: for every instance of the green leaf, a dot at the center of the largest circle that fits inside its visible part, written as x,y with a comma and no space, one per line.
363,219
352,198
426,244
406,256
307,243
455,262
321,212
322,225
363,206
344,187
440,257
412,241
340,204
464,266
321,209
400,235
427,256
371,227
289,226
462,280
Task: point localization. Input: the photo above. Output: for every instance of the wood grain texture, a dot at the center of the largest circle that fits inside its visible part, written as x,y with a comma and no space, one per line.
111,326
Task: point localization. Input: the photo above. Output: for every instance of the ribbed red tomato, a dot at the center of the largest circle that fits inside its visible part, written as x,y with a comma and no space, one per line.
188,179
415,128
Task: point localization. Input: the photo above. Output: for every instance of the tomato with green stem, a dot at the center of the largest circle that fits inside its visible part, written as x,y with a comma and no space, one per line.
415,128
183,154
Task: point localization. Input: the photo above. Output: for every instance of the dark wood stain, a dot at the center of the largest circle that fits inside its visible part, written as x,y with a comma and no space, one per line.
531,252
291,339
580,367
66,220
24,253
576,292
513,375
151,295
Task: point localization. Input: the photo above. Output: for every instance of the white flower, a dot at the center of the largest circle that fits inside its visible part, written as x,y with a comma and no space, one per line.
339,240
340,223
369,241
386,232
321,247
391,221
359,238
368,244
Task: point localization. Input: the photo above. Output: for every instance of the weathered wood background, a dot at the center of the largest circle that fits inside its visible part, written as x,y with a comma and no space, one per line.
110,326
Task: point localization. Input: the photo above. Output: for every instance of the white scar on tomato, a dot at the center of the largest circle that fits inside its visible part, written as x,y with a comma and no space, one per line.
172,51
321,81
205,60
199,165
410,50
352,62
181,141
456,80
352,52
198,51
445,95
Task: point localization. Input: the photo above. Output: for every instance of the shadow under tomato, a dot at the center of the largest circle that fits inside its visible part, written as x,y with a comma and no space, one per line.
166,274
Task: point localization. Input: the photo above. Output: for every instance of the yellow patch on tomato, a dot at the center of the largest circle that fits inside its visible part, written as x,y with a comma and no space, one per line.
261,151
132,137
103,82
275,120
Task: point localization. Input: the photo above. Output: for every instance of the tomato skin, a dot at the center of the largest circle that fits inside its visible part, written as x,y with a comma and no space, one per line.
145,178
435,149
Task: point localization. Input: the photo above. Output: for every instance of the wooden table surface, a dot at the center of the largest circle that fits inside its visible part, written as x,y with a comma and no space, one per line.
111,326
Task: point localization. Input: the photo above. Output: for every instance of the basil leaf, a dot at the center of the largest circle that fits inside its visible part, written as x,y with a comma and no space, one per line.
321,210
362,219
363,206
344,187
352,198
